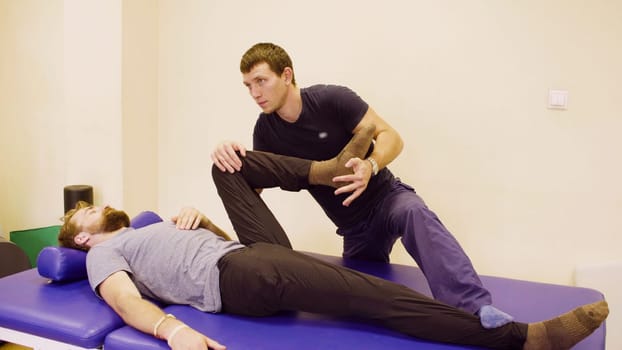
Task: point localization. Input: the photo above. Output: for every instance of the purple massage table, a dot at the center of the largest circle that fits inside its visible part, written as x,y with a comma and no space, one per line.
67,315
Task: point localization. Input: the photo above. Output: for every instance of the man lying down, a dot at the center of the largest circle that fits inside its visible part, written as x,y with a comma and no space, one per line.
189,260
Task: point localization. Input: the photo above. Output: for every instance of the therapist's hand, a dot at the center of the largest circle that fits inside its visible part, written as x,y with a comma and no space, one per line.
226,158
356,182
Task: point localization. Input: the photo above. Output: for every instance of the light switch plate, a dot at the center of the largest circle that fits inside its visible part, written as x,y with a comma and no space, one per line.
558,99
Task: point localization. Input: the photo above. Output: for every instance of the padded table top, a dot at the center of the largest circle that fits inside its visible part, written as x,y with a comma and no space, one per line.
66,312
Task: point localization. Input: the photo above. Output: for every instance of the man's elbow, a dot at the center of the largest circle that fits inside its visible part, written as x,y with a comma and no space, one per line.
399,143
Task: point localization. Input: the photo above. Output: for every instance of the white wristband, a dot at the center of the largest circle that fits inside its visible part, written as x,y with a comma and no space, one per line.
159,323
174,332
374,166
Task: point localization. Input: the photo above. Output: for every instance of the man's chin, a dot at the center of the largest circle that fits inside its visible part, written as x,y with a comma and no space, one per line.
115,219
266,108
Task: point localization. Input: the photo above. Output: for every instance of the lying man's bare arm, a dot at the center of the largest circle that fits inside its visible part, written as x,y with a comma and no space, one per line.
121,294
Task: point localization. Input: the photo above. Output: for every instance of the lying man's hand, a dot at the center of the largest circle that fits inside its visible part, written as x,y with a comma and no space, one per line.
188,218
189,339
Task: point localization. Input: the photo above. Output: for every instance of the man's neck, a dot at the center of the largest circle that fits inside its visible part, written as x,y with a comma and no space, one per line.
291,109
115,232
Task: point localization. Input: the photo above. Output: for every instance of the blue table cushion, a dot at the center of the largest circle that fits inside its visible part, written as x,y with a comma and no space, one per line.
66,312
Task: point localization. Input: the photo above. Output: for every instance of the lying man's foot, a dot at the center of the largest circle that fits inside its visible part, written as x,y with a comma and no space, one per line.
564,331
323,172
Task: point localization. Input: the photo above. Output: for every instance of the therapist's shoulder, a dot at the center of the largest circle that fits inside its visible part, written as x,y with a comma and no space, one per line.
323,89
328,93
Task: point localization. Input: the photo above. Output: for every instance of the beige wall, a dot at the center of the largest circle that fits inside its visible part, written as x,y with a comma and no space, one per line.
92,110
31,113
60,64
529,192
68,113
140,105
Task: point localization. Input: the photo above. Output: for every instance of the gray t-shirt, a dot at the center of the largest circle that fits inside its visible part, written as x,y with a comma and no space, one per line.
167,264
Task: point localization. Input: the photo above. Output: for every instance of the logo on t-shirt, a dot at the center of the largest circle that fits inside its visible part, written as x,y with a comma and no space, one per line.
322,134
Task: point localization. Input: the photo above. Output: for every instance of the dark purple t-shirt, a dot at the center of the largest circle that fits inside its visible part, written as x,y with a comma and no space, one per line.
329,114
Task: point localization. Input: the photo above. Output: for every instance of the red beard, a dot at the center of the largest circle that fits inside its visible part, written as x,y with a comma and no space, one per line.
114,219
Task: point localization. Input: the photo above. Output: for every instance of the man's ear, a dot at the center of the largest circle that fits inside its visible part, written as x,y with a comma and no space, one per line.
287,75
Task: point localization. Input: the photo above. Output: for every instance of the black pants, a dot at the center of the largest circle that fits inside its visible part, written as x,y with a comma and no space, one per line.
268,276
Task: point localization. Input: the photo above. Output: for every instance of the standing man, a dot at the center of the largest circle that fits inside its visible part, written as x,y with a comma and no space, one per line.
370,207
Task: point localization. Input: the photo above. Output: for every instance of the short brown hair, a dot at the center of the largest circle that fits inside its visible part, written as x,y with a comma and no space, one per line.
274,55
70,230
